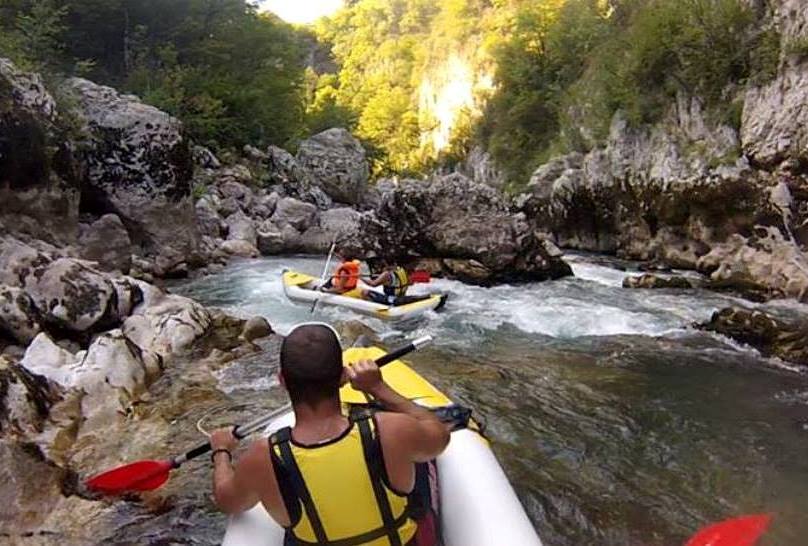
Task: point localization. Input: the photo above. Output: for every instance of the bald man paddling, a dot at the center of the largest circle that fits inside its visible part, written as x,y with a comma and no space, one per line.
352,480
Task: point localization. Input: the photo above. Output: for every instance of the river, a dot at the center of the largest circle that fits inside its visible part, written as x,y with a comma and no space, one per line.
617,423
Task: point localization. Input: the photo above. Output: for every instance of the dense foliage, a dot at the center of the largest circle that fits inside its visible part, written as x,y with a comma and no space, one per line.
561,68
232,75
563,75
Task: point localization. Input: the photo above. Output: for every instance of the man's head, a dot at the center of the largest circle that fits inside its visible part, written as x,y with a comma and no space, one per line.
344,254
311,364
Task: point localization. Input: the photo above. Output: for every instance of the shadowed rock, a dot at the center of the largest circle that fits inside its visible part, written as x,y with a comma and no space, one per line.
40,177
785,339
107,243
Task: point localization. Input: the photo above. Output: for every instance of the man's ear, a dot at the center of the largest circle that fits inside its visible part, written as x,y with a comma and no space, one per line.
281,380
344,380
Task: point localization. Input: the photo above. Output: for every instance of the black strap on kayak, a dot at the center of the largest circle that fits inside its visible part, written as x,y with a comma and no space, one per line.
298,484
373,459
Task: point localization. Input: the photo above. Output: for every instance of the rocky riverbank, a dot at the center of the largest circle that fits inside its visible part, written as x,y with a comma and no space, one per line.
697,190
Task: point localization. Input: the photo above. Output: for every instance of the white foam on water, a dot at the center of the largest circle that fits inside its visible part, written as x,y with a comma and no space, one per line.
602,274
591,304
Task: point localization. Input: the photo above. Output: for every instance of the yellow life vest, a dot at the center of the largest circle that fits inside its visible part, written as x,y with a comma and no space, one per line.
400,281
332,498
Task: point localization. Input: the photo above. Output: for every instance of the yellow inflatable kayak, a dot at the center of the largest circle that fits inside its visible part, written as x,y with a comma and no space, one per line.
478,504
302,288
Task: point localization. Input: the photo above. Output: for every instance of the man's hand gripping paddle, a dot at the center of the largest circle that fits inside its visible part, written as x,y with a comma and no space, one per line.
149,475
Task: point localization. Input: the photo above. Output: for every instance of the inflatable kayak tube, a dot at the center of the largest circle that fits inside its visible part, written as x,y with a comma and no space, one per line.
301,288
478,505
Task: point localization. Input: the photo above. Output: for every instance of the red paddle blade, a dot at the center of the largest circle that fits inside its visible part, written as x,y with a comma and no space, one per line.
742,531
139,476
420,277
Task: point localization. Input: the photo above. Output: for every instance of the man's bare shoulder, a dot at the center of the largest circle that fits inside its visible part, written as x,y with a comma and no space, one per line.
392,421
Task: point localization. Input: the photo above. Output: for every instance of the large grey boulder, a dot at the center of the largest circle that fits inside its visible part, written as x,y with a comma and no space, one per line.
166,324
337,161
293,179
240,248
40,177
107,243
270,239
240,228
238,191
295,213
454,218
139,167
341,223
68,295
208,221
71,295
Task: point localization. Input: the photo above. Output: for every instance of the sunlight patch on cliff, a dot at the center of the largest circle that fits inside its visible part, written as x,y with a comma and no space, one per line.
449,94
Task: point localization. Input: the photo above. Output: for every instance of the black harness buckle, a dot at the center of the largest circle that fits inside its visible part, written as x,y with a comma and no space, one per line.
455,415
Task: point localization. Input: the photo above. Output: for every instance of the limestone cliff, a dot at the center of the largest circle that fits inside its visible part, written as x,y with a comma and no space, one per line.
692,192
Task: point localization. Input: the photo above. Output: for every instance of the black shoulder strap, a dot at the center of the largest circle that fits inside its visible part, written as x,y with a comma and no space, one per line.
296,482
373,459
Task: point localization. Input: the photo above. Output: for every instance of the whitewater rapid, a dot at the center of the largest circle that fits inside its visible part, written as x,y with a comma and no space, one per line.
617,421
593,303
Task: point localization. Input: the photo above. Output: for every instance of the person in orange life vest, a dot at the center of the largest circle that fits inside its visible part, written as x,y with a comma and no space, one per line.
346,276
355,479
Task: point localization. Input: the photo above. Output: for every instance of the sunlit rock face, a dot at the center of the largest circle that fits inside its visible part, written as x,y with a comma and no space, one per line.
453,94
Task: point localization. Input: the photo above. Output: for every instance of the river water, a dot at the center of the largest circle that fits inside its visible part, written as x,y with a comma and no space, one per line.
617,423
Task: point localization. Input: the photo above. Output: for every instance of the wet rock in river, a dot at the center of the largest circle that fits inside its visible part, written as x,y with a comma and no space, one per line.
453,218
270,239
655,281
239,248
772,336
256,328
469,271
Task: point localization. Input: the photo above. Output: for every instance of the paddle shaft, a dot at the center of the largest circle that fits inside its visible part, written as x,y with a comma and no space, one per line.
246,429
325,272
